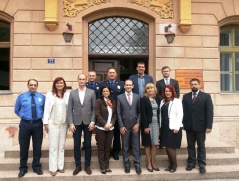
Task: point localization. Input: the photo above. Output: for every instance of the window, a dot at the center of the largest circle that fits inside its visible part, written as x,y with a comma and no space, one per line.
118,35
229,59
4,55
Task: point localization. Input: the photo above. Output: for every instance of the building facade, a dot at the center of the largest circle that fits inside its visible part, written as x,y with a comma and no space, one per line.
120,33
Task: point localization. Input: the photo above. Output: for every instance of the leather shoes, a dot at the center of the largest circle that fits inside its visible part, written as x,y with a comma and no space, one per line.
138,170
77,170
103,172
88,170
190,167
168,168
202,170
38,171
127,170
150,170
115,156
108,170
22,173
155,168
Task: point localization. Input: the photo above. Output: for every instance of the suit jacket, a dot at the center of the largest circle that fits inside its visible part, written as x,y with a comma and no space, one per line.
77,112
128,115
96,88
161,84
198,116
175,114
116,90
101,113
146,112
134,78
49,103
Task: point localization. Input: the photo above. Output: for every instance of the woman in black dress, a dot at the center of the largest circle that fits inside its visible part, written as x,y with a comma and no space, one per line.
171,115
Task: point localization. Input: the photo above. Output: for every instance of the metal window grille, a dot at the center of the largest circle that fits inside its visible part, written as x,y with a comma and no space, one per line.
118,35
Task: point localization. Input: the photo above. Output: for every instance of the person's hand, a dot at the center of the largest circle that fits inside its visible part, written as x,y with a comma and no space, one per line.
136,128
107,127
146,130
123,130
46,128
91,126
208,130
175,131
72,128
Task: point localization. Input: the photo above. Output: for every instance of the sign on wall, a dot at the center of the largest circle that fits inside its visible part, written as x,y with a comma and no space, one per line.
183,76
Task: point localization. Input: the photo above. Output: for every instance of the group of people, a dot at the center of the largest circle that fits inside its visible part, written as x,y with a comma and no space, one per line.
114,109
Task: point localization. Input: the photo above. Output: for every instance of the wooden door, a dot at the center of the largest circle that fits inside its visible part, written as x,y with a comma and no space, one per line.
101,66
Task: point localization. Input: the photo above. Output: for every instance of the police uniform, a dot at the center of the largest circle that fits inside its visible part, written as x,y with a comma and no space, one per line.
30,127
116,89
94,86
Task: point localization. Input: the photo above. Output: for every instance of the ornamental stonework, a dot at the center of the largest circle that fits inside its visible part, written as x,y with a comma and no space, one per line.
72,7
164,8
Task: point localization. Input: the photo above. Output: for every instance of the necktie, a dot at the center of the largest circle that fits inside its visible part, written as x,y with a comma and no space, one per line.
34,109
167,81
194,96
111,84
129,100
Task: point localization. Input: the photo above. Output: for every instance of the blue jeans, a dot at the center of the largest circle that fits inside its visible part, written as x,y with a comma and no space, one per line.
77,144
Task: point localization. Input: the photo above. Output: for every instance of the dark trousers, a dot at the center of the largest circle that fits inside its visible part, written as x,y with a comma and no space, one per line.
116,142
27,130
104,141
77,144
192,138
131,138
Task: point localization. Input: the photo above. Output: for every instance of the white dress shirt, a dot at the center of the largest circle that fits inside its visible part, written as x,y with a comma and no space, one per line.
82,95
130,95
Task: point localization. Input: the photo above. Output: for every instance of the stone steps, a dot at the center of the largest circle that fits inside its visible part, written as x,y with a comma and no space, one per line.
218,172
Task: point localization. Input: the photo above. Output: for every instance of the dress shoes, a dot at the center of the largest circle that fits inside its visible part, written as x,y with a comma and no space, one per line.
53,173
103,171
77,170
150,170
202,170
190,167
88,170
138,170
108,170
127,170
115,156
168,168
38,171
22,173
155,168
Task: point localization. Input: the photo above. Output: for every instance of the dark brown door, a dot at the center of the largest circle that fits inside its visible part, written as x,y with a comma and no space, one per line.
101,66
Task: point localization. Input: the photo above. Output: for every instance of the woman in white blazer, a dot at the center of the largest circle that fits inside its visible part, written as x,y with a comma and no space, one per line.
55,124
171,116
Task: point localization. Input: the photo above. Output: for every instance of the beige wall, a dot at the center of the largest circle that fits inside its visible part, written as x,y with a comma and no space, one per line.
33,43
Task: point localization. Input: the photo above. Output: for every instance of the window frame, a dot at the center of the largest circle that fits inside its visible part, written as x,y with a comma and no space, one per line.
231,50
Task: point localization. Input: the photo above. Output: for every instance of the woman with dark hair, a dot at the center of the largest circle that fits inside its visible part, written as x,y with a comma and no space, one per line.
171,116
150,125
105,112
55,124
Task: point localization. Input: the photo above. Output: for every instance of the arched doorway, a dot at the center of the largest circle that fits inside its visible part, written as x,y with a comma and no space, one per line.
119,39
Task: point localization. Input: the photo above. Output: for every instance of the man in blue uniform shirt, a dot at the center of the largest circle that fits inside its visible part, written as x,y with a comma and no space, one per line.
29,107
117,88
92,84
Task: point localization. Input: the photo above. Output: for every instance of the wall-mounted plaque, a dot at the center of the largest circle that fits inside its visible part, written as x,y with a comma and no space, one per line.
183,76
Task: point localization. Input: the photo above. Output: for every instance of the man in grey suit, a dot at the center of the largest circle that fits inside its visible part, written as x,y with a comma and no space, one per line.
81,117
128,112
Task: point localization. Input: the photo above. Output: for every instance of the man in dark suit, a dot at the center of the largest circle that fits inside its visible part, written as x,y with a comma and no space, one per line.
140,79
117,88
81,117
128,113
166,81
197,121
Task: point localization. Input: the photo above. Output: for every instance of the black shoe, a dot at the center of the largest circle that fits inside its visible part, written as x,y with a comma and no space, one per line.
202,170
77,170
38,171
22,173
190,167
115,156
173,169
103,172
127,170
138,170
168,168
150,170
156,169
108,170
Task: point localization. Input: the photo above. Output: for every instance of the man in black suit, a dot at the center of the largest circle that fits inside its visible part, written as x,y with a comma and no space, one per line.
117,88
140,79
166,81
197,121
